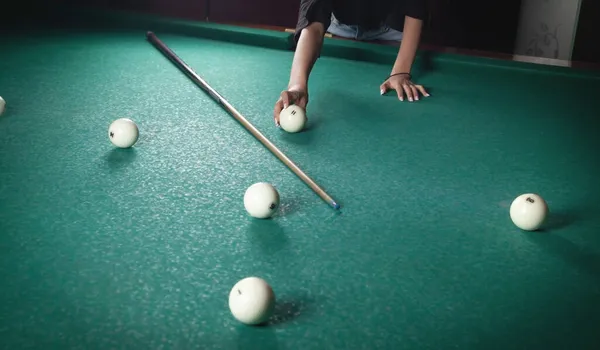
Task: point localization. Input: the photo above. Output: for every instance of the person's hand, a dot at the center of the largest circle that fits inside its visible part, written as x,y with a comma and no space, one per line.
403,85
293,95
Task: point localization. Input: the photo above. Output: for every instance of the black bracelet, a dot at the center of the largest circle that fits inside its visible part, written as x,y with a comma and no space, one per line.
409,76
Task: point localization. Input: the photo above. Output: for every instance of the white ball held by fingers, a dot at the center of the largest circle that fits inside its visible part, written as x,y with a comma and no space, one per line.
123,133
292,119
2,105
528,211
252,301
261,200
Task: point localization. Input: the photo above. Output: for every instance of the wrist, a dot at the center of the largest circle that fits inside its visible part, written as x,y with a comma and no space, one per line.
406,75
297,86
401,68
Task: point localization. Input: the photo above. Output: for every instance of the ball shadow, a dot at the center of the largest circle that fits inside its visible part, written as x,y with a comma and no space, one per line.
313,123
248,337
580,258
287,207
559,220
303,137
289,308
119,158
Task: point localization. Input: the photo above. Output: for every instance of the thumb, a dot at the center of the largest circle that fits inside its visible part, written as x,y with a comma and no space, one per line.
285,98
384,87
302,102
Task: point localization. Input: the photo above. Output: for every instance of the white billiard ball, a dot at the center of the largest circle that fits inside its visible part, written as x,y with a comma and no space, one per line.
123,133
261,200
292,119
528,211
252,301
2,105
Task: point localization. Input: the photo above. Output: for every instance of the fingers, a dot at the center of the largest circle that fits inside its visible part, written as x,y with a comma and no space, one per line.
278,108
302,101
401,89
403,86
415,93
409,93
411,90
400,92
277,111
422,89
283,102
285,98
387,85
384,87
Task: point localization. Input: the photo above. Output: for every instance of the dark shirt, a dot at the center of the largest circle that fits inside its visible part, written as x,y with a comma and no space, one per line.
367,14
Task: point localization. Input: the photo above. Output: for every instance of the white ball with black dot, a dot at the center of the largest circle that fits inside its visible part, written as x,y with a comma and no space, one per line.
252,301
261,200
529,211
2,105
292,119
123,133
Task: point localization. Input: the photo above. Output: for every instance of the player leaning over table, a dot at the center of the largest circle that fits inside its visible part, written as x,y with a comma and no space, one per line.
389,20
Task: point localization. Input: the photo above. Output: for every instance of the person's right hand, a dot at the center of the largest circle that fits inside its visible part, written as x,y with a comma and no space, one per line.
294,95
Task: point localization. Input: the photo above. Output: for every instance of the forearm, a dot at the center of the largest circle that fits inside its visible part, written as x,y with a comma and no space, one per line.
408,46
307,52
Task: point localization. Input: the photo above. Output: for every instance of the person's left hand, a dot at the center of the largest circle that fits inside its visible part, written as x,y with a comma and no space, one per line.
403,85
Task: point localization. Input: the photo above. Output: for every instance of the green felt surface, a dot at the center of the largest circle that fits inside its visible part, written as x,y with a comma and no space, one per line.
104,248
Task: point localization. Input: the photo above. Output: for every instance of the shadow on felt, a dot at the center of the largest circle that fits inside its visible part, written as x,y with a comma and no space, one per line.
287,207
267,235
301,138
118,158
559,220
305,136
342,104
581,258
425,64
290,308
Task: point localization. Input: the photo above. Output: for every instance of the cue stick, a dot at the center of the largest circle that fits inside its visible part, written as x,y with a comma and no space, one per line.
240,118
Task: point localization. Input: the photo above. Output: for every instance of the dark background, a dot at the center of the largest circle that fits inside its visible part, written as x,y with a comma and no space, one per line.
464,24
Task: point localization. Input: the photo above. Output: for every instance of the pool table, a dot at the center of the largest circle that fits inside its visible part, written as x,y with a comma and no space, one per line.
138,248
